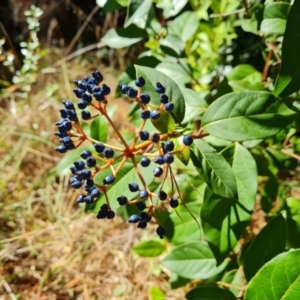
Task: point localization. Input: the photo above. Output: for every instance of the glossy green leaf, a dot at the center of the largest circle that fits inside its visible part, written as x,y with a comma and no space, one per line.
288,79
155,293
195,104
266,245
165,123
185,25
174,71
192,260
209,293
171,7
98,130
172,45
123,37
216,171
149,248
242,116
274,18
172,90
244,77
216,224
137,12
277,280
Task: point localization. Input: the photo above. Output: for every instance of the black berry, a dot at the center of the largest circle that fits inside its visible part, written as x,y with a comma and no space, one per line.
187,140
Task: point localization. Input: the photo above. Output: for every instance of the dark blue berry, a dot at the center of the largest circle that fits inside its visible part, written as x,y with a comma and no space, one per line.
105,89
88,183
133,219
88,199
86,115
145,162
78,92
163,98
142,225
97,76
102,214
157,172
143,194
131,92
159,159
160,88
169,106
80,199
161,231
91,161
145,98
79,164
85,174
145,114
88,98
99,147
82,85
76,184
63,113
109,179
82,104
144,135
154,114
61,149
122,200
66,140
95,193
140,81
123,88
155,137
68,104
145,217
162,195
187,140
73,170
110,214
60,134
174,202
108,153
67,125
97,89
85,154
70,146
72,116
140,205
104,207
133,187
99,96
90,87
169,146
168,158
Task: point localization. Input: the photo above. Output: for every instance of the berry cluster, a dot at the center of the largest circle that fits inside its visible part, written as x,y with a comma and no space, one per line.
155,147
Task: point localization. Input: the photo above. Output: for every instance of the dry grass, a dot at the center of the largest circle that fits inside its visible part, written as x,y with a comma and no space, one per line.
50,249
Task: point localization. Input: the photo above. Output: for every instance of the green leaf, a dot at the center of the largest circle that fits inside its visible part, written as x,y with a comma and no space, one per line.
137,13
245,171
171,7
293,222
216,224
174,71
246,116
195,104
193,260
172,45
277,280
149,249
274,18
165,123
269,191
99,129
155,293
153,76
209,293
216,170
266,245
288,80
123,37
184,26
244,77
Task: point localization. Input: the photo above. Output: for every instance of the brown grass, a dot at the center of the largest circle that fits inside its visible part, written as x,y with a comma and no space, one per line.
49,248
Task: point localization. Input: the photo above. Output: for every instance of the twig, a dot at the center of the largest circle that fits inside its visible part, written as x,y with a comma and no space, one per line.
290,154
267,65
